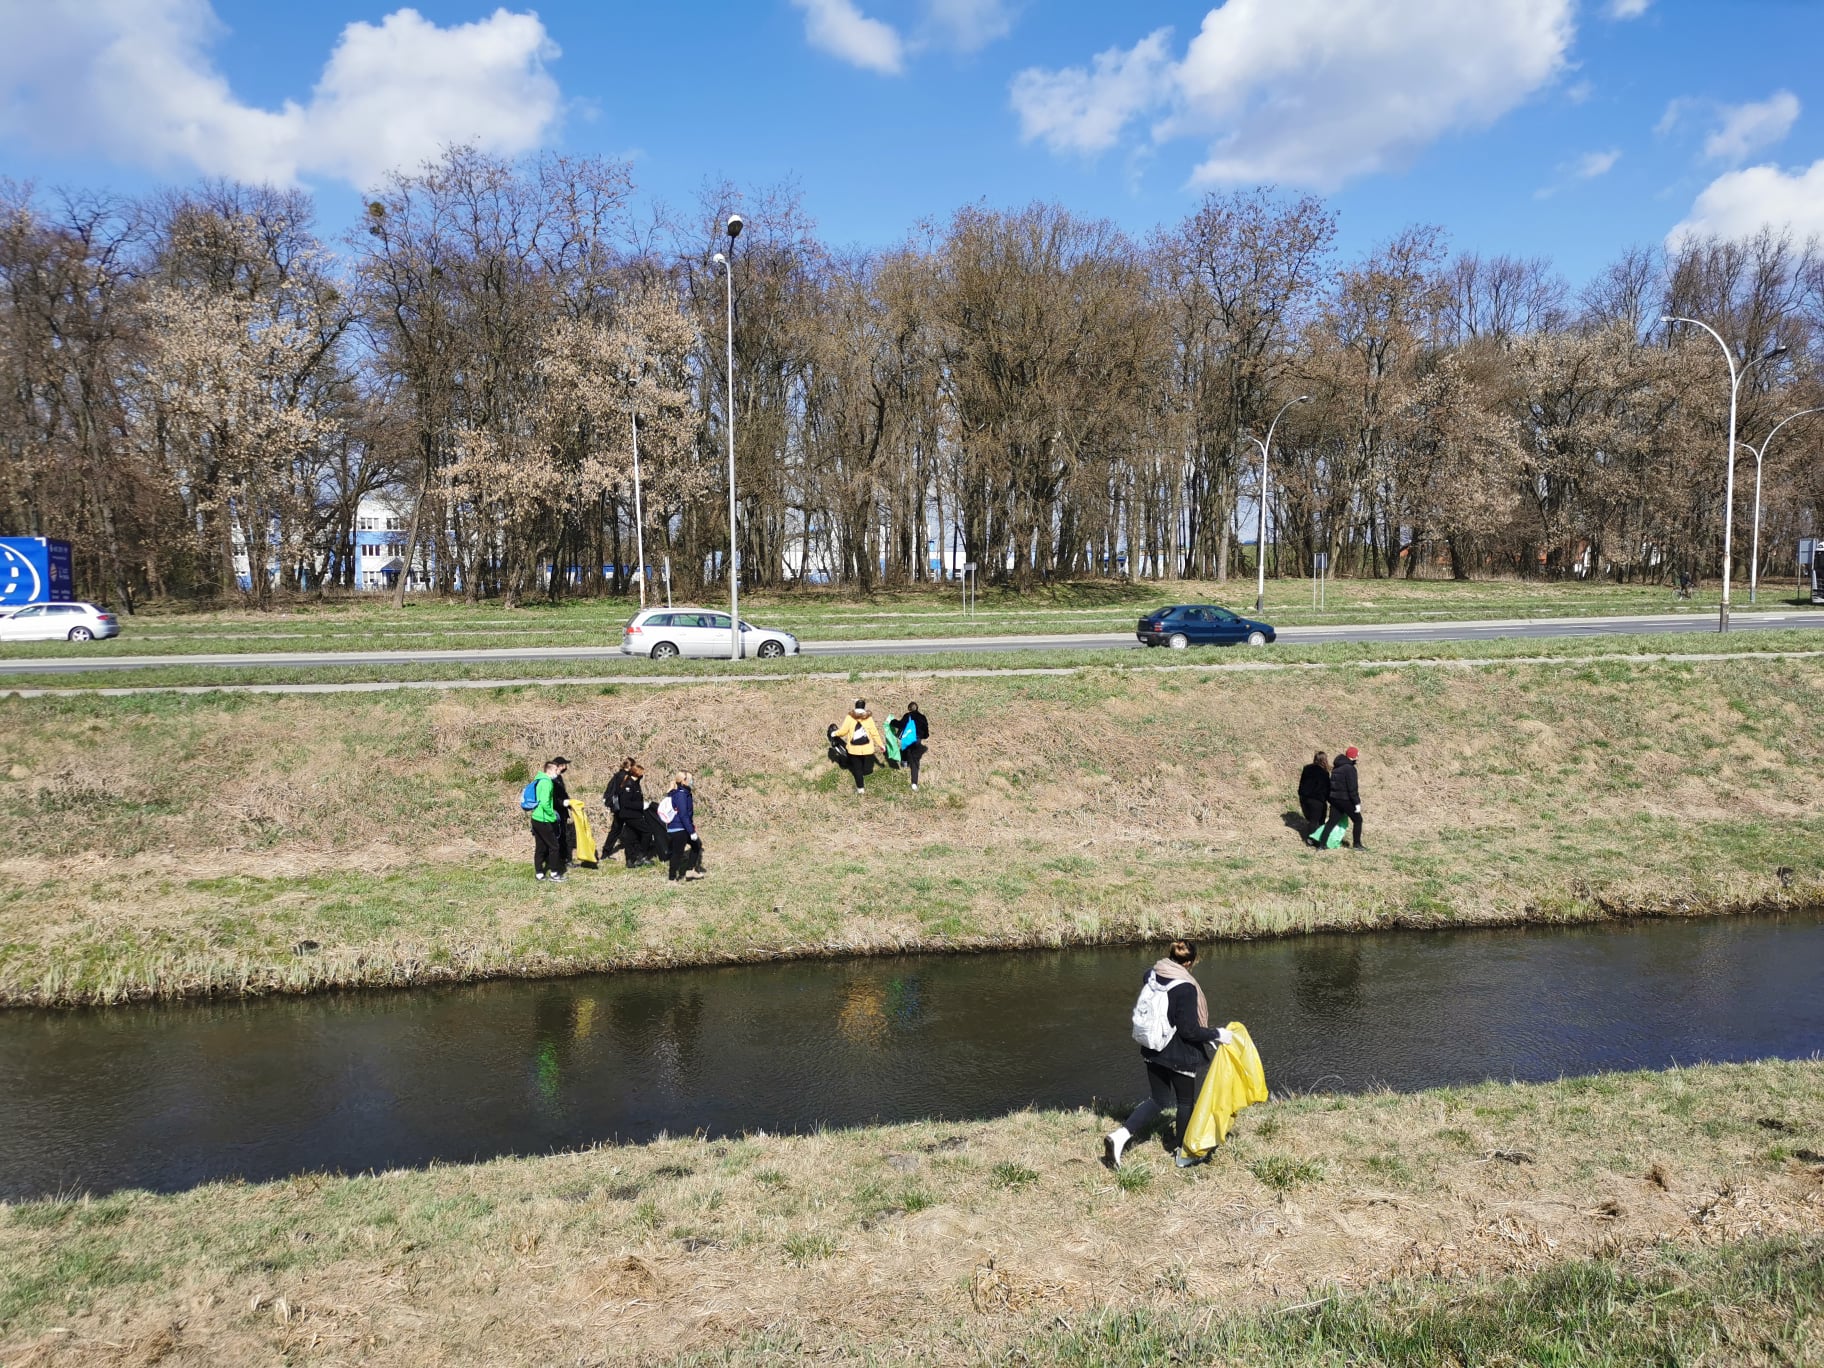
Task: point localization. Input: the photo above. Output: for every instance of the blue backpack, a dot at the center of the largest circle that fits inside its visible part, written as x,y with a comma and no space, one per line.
528,797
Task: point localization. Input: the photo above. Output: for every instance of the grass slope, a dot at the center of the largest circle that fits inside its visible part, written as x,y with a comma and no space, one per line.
172,845
1629,1218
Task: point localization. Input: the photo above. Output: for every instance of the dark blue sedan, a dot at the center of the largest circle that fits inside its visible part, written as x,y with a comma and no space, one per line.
1201,624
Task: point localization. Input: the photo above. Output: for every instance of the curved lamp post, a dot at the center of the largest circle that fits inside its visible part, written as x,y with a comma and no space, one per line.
1760,454
1260,536
1735,381
733,228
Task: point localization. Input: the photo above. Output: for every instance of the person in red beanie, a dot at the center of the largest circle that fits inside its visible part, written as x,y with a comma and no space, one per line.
1345,799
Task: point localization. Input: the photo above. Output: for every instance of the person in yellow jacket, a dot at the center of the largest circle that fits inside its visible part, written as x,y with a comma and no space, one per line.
859,739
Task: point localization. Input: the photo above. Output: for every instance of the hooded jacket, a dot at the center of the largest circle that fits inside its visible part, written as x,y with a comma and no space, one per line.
1344,791
860,734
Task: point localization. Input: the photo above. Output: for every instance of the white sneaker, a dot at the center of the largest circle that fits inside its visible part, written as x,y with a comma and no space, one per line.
557,878
915,788
539,877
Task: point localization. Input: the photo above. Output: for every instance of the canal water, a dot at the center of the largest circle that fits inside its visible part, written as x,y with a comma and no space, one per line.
167,1097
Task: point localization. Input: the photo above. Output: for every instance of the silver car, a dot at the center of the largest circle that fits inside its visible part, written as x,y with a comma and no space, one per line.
58,622
663,633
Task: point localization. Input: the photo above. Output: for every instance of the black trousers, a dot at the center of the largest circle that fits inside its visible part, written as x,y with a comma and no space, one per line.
1340,815
912,754
1168,1088
686,852
1313,809
548,847
861,766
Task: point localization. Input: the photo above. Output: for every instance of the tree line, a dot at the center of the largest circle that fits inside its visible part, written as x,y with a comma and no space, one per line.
197,380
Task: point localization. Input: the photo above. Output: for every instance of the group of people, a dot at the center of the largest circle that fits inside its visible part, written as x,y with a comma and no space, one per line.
1330,796
644,831
859,742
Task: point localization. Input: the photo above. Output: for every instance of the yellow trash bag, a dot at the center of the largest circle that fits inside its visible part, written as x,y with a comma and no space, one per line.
585,838
1235,1080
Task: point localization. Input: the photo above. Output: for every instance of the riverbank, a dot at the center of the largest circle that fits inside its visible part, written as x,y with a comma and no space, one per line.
1590,1215
173,846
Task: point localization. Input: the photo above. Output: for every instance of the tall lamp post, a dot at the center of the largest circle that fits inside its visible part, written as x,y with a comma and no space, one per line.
733,228
639,521
1260,537
1760,454
1735,381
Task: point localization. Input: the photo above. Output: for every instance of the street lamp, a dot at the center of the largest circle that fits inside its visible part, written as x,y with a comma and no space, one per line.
1735,380
733,228
1760,453
1260,537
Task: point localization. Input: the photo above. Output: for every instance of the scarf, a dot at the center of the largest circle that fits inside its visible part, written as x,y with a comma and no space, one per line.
1170,969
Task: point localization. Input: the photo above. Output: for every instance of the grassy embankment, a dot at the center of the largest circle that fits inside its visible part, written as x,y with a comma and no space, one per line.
176,845
827,616
1620,1219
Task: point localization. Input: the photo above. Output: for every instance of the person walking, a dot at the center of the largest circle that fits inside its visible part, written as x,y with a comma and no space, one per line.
1345,799
1175,1069
914,738
560,799
1314,794
631,829
681,828
547,823
859,736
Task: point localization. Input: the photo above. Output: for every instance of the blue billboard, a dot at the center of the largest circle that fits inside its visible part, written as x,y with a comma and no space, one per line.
34,570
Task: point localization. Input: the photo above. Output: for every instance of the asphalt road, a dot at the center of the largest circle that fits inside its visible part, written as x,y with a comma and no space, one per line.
1375,632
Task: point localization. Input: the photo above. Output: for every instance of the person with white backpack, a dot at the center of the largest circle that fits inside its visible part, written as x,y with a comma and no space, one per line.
1172,1028
678,810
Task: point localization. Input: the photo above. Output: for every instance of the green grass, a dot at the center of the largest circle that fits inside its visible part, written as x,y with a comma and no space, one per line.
1753,1303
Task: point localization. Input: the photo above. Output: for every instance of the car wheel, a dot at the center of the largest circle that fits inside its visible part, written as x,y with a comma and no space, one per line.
81,634
1257,638
1177,641
770,650
665,650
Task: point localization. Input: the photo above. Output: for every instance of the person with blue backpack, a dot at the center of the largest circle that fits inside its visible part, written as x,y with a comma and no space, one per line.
914,738
539,798
1172,1028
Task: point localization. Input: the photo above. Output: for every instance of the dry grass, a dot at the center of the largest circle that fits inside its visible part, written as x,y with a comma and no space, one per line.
930,1243
165,846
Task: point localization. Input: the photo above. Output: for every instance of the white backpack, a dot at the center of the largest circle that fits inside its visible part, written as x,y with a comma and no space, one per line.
1153,1028
667,808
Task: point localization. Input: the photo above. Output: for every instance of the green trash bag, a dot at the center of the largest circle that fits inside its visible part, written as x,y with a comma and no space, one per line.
1336,837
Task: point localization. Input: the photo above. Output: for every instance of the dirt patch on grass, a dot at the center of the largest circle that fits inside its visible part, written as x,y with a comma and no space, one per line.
948,1243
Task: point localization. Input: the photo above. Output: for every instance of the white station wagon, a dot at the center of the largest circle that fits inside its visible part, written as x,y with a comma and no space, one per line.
58,622
662,633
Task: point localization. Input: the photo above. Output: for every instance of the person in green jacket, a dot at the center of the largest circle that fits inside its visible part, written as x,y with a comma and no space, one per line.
548,823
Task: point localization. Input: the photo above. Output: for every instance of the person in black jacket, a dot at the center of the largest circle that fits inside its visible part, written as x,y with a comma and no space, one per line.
1174,1073
915,736
1345,798
622,803
566,824
1314,794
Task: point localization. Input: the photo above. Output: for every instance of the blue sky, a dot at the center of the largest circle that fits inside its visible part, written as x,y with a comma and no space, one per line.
1563,128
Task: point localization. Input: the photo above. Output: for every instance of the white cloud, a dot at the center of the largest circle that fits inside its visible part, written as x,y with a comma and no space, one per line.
1739,204
1589,166
840,29
1309,91
1746,129
1084,110
1593,164
970,25
133,80
1628,9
